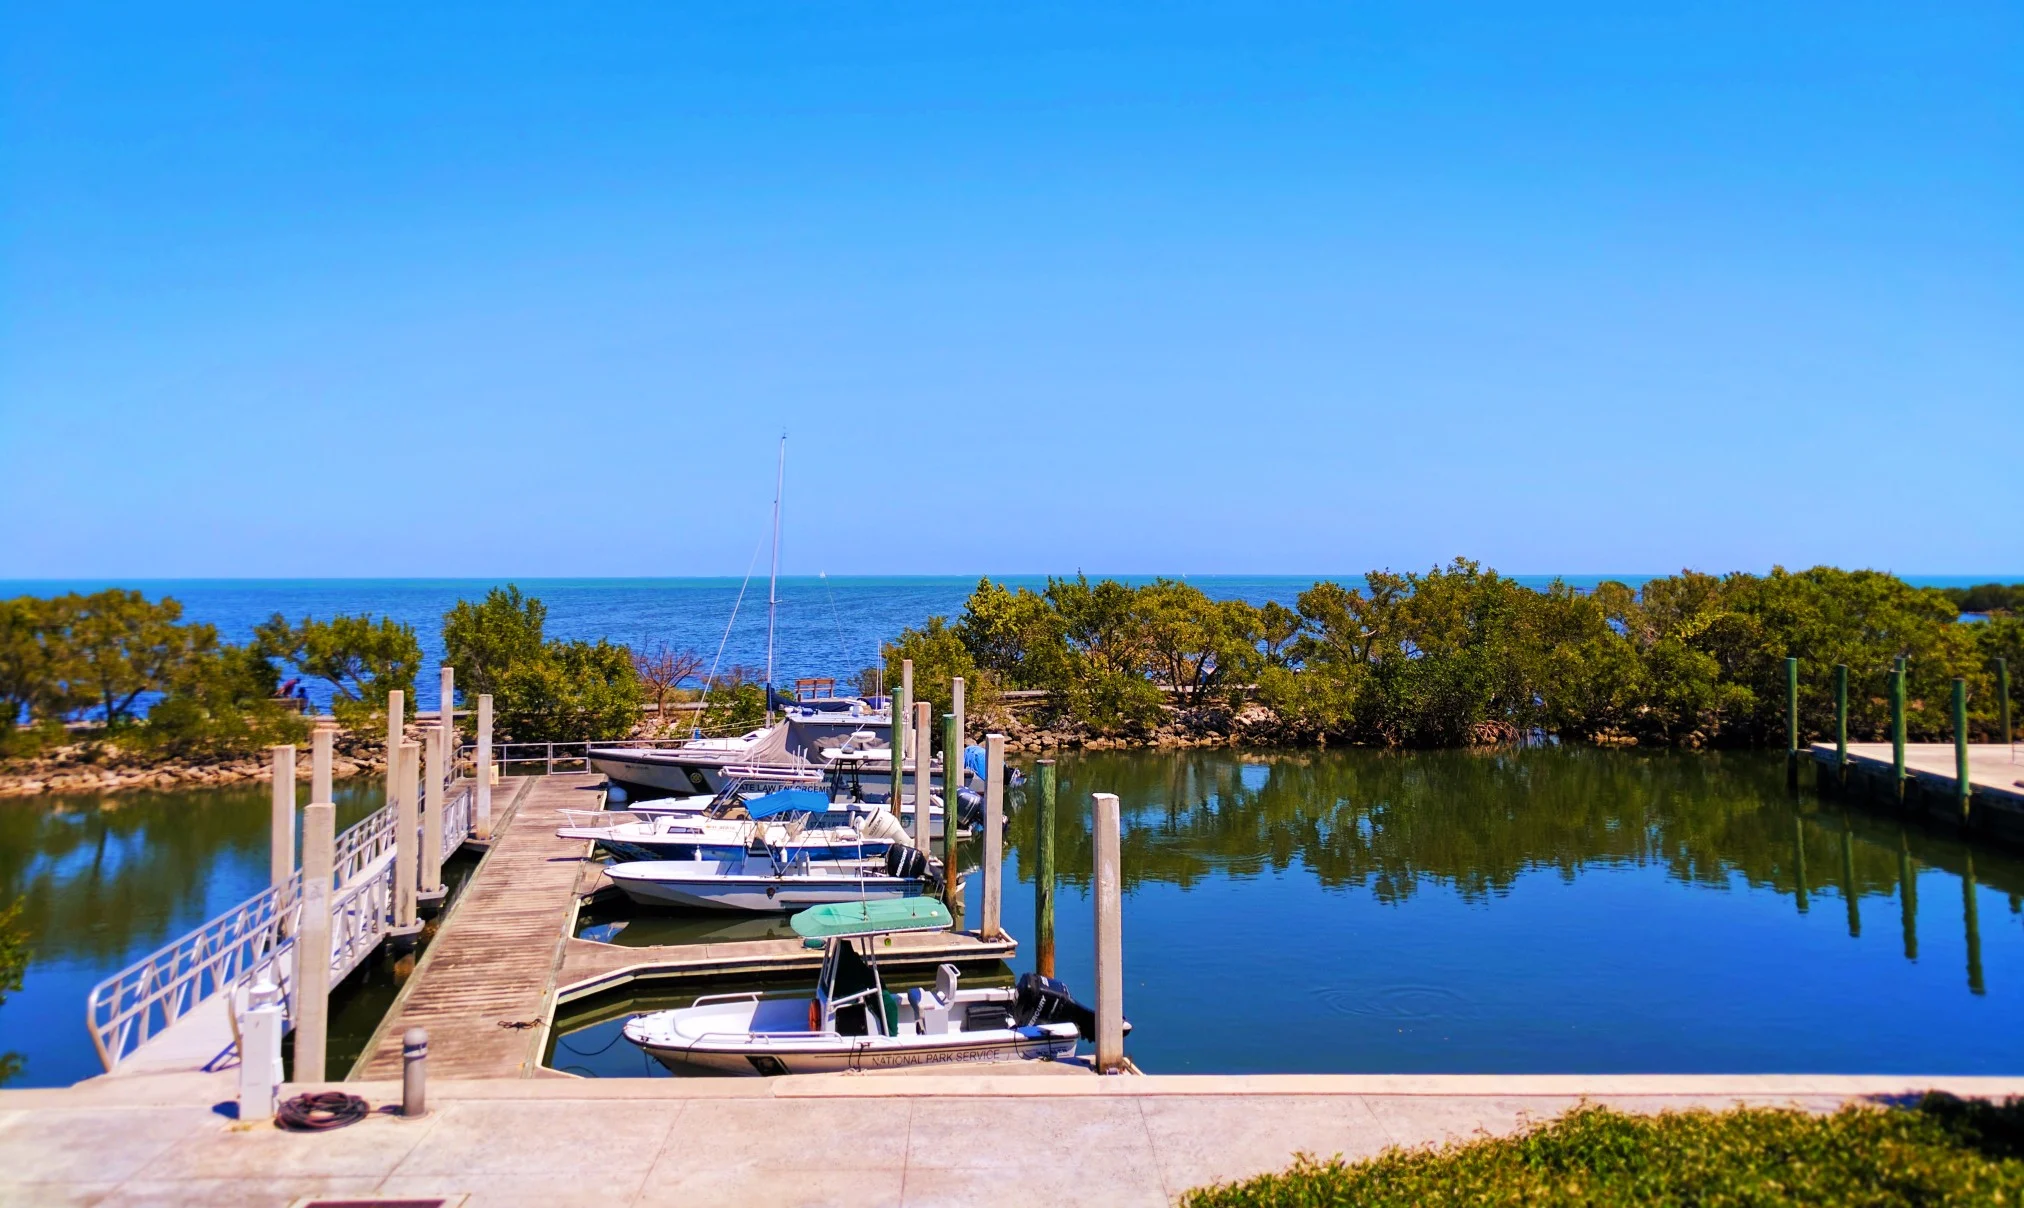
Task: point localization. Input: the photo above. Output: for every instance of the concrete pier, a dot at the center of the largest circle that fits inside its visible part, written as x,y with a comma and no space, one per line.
1932,782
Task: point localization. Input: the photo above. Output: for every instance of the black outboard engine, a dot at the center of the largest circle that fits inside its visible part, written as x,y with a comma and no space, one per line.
904,861
1038,1000
969,809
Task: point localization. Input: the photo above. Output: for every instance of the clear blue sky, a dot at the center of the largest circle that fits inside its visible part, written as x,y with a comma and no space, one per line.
1186,288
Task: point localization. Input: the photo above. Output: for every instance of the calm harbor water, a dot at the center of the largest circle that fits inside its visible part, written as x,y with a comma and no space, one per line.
1523,910
1545,909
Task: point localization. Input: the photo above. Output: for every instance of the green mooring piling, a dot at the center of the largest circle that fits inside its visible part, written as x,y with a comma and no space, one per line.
1799,862
1841,721
1908,897
1964,788
1043,868
1851,897
1971,924
2003,701
1897,728
1792,722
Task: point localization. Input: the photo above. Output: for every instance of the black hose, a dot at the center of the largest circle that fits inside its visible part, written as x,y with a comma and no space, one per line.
321,1112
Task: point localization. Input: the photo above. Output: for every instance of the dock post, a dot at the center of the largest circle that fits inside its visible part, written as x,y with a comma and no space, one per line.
429,890
1109,886
952,826
1964,787
1043,868
281,843
312,942
1792,723
481,814
407,838
320,742
397,724
1841,722
1897,729
902,709
923,775
1908,897
962,774
446,721
993,926
1971,924
2003,701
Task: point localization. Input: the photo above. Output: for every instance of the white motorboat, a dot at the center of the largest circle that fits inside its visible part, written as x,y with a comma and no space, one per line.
824,810
645,835
789,749
853,1022
772,881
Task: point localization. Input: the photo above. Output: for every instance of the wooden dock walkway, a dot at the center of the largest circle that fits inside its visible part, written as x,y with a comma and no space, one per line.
484,987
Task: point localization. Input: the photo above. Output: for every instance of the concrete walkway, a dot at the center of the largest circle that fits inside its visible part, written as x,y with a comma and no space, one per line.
843,1139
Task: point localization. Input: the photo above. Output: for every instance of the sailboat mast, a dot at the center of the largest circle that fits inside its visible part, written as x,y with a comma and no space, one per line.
773,583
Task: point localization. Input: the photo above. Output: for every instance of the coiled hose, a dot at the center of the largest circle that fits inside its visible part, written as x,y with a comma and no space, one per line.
322,1111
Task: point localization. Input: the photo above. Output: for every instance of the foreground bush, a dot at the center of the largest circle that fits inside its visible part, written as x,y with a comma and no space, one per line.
1945,1151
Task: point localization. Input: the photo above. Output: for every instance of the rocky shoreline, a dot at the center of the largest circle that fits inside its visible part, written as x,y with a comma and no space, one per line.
104,768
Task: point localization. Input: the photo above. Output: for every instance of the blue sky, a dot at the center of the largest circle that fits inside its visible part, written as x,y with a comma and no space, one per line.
1186,288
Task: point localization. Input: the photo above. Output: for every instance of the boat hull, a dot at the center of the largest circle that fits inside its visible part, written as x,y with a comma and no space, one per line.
824,1054
757,894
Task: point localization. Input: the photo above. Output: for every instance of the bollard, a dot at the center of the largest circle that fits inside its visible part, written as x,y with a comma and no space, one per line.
994,836
1964,785
407,838
1841,722
1792,722
429,889
1897,729
1043,868
952,825
902,712
923,780
481,814
414,1073
312,941
260,1075
281,835
1109,887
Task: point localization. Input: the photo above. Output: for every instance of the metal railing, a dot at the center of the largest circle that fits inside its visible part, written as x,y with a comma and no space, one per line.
231,951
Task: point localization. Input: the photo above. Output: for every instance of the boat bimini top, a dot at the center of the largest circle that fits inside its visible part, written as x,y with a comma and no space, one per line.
847,920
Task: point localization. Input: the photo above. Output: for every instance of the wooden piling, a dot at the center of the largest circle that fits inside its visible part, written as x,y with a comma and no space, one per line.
2003,701
281,833
902,711
994,837
1044,785
1841,722
429,885
407,836
1963,786
923,780
1109,885
952,829
481,810
1792,722
1897,729
312,942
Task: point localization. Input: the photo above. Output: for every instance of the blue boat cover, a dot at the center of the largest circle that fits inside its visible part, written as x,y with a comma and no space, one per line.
973,760
812,800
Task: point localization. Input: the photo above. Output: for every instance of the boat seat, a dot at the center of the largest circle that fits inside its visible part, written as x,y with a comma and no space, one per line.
946,977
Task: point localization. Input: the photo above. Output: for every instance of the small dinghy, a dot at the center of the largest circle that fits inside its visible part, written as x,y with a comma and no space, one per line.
773,880
853,1022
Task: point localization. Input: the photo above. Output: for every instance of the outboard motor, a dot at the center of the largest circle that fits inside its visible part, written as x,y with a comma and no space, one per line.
1037,1000
969,809
905,862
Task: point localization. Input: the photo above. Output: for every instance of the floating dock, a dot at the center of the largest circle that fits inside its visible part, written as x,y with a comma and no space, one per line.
506,955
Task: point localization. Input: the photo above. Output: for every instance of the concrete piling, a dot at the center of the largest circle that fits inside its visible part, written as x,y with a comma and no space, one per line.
1109,885
446,719
952,827
994,836
481,809
1044,786
924,780
902,710
429,889
312,941
407,839
396,726
321,740
281,838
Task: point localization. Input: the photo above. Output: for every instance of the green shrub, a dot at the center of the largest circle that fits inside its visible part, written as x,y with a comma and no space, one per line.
1945,1151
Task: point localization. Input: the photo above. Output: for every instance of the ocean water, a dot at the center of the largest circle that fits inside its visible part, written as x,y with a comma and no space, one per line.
823,626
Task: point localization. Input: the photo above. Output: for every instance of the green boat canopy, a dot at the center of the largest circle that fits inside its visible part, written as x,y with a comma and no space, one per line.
841,919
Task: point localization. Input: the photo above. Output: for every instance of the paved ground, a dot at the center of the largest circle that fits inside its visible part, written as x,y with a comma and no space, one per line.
950,1139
